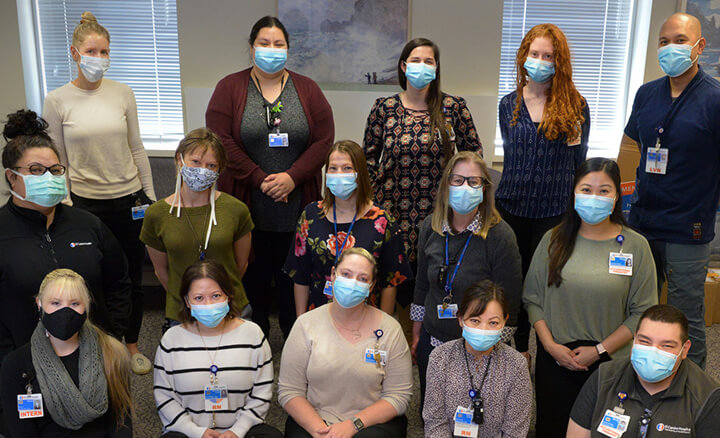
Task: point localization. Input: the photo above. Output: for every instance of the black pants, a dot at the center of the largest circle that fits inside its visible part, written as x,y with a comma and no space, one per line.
116,215
528,233
258,431
556,389
270,251
395,428
422,356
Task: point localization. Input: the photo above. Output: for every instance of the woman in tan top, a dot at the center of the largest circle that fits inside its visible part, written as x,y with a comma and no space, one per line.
94,124
345,369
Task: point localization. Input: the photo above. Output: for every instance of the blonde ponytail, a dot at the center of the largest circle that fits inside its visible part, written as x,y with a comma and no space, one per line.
116,361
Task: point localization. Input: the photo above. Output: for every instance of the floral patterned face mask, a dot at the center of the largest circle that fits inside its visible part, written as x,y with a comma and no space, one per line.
198,178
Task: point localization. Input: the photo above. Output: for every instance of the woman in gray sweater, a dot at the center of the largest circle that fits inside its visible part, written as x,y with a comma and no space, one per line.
464,241
589,281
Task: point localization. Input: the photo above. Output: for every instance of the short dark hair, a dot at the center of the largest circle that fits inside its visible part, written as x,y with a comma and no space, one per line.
24,130
668,314
267,21
214,271
478,296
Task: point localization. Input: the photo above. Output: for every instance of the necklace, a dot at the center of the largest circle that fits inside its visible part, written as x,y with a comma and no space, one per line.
201,250
213,368
355,333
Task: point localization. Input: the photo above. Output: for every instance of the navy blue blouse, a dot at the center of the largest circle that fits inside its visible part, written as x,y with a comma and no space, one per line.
537,173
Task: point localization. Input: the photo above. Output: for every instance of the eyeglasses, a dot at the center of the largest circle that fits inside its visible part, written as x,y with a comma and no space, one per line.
473,181
39,169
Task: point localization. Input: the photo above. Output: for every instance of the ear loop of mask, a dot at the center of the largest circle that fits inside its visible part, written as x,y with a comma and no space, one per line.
178,197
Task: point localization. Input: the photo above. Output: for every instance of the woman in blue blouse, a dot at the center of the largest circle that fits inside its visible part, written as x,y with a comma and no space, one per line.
545,124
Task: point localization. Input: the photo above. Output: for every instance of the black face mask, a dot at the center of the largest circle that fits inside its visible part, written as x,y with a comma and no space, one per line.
63,323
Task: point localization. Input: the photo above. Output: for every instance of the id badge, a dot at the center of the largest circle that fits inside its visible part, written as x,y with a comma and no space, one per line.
613,424
280,140
216,398
139,211
328,289
463,423
657,160
30,405
621,263
448,313
372,354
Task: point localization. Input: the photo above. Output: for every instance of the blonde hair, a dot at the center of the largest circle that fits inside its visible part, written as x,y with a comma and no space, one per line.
362,252
88,25
489,216
116,359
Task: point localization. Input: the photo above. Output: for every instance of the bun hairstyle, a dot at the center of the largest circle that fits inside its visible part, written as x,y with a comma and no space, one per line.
88,25
24,130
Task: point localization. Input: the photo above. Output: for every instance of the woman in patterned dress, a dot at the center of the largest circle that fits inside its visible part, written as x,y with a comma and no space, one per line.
347,202
408,139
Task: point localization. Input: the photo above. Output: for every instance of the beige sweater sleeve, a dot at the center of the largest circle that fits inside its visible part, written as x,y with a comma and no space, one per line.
138,149
292,381
53,116
397,386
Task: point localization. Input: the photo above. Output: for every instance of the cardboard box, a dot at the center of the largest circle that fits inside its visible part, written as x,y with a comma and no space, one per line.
628,161
712,297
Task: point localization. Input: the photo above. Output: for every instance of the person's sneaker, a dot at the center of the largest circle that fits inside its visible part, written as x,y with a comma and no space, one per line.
141,364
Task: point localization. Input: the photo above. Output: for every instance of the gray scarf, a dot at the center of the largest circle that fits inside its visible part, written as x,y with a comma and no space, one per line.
69,406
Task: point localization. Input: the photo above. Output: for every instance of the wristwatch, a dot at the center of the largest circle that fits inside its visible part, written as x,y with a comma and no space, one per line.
600,349
358,423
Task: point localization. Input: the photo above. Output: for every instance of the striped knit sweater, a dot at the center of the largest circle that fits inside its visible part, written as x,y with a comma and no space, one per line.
182,370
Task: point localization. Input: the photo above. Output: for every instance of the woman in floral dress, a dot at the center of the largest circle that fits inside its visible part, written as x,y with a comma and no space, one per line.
345,218
408,139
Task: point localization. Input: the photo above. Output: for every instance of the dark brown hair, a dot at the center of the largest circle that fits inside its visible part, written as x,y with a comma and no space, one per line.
267,21
214,271
364,186
668,314
563,113
434,97
24,130
203,139
478,296
562,240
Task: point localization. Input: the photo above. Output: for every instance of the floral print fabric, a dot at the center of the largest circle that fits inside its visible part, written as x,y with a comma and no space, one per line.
315,250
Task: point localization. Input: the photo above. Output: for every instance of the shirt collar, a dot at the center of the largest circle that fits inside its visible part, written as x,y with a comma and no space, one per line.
630,380
31,215
474,226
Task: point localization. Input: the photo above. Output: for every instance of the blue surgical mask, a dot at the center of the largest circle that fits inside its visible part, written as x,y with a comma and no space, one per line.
593,209
651,363
270,60
464,199
675,58
210,315
349,293
419,74
342,185
539,71
481,340
46,190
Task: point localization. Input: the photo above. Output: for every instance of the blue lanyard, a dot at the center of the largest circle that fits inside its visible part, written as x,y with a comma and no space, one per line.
449,281
347,236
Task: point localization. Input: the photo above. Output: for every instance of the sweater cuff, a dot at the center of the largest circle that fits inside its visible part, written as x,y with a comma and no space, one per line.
417,312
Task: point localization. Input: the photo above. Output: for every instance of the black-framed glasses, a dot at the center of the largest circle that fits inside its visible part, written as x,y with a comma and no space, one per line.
473,181
39,169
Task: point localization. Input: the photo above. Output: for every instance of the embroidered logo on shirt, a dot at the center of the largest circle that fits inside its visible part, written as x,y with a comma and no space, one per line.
673,429
74,244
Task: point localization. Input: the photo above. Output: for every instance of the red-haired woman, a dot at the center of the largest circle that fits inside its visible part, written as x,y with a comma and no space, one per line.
544,124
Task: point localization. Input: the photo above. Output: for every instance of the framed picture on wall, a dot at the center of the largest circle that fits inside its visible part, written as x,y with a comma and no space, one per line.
346,41
708,12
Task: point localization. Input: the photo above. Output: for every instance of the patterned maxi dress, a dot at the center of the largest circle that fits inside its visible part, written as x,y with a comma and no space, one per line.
405,167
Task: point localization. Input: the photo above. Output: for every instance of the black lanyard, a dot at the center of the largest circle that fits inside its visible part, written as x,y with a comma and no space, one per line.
474,394
347,236
646,418
269,120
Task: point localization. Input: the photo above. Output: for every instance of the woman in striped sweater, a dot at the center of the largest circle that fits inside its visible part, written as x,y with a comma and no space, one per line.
213,373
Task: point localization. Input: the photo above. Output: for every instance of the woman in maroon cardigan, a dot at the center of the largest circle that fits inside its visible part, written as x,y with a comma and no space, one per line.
277,128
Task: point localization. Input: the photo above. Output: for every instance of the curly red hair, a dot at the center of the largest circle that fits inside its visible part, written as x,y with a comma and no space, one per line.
563,113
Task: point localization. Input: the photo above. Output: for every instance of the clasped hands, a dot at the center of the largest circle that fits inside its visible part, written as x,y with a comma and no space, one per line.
278,186
578,359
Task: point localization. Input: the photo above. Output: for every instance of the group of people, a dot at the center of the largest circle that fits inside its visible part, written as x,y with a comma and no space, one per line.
342,237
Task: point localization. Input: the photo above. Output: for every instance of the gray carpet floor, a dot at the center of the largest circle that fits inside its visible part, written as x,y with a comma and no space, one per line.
147,424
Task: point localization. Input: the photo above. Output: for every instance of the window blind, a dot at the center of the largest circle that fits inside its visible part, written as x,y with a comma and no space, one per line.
598,33
143,55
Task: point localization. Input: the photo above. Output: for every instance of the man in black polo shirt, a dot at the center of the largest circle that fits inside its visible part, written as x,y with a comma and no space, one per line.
676,122
656,391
